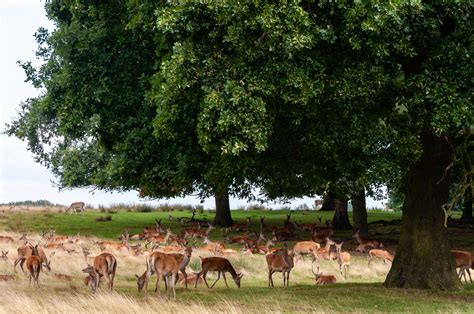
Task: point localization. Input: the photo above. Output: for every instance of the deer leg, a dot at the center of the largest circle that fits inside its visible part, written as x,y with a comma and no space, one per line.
370,259
185,278
288,278
218,277
270,280
225,280
158,282
205,280
173,283
197,278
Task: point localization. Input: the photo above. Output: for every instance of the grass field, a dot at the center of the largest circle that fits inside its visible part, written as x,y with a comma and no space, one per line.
361,292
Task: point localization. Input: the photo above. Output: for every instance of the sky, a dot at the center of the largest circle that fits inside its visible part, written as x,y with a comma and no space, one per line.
20,177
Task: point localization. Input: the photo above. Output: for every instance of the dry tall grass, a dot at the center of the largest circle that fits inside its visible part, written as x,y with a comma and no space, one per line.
57,296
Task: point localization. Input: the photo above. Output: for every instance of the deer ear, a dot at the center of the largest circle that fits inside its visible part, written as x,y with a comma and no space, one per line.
138,277
241,275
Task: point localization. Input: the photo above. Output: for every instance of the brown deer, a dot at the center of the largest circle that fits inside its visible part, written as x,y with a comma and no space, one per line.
164,265
183,261
343,259
367,241
25,251
191,280
264,226
321,233
464,261
324,253
76,207
280,261
104,264
384,255
7,277
240,227
323,279
197,233
55,246
63,277
6,239
305,247
33,264
213,246
221,265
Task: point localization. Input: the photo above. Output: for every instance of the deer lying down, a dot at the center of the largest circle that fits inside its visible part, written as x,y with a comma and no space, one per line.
7,277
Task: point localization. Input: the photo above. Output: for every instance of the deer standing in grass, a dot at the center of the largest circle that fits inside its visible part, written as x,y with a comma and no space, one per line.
221,265
25,251
324,253
280,261
464,261
183,261
305,247
76,207
104,264
33,264
343,259
376,253
164,265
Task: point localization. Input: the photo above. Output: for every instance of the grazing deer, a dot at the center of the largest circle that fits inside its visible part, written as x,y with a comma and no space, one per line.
7,277
76,207
221,265
384,255
305,247
343,259
464,261
104,264
25,251
367,241
33,264
6,239
164,265
63,277
4,256
280,261
322,279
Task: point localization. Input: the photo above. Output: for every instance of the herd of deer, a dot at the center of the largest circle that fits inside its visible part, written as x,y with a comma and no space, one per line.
165,261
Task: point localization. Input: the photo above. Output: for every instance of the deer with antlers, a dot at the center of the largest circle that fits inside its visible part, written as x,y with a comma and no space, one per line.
343,259
280,261
25,251
104,264
4,256
33,264
323,279
367,242
221,265
197,233
382,254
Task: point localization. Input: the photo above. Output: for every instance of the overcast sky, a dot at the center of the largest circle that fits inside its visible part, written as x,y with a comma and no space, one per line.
20,177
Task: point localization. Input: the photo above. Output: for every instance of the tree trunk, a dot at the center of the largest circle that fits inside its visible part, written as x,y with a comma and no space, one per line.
223,217
359,212
423,259
328,202
341,218
467,204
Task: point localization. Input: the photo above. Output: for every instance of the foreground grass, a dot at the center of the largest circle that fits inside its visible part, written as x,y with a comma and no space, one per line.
361,292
